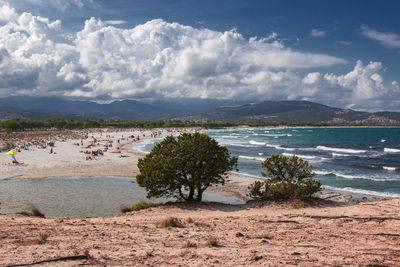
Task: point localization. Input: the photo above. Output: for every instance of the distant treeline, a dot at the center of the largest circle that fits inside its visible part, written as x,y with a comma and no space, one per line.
24,125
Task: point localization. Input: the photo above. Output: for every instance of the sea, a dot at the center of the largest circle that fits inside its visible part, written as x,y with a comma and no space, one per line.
356,160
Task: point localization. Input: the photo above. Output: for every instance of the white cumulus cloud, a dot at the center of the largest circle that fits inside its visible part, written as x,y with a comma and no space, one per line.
158,60
363,87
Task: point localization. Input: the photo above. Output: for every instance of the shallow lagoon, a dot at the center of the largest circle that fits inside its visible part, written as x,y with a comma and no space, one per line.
78,196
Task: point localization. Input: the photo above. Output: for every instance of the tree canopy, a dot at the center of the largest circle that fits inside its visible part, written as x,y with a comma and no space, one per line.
184,167
288,178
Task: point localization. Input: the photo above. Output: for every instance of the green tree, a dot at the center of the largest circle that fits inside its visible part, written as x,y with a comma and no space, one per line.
288,178
184,167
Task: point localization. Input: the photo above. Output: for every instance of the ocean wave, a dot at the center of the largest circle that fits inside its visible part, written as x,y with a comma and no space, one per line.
353,177
343,150
237,144
307,148
363,192
251,158
391,150
249,175
257,143
141,148
301,156
275,135
341,155
323,173
229,136
280,147
389,168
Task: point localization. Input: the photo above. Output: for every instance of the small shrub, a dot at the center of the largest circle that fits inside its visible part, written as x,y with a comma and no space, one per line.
140,206
25,213
43,238
149,253
189,244
37,213
125,209
212,241
288,179
190,220
170,222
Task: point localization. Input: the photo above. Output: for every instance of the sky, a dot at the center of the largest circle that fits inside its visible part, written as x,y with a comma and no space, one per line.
339,53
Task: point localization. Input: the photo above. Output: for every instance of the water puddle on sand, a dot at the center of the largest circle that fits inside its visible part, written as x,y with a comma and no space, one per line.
79,197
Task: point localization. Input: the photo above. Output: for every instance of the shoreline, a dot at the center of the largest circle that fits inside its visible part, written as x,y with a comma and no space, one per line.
323,233
121,161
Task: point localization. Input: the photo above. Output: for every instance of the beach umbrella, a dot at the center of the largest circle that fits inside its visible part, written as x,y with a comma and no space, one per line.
12,153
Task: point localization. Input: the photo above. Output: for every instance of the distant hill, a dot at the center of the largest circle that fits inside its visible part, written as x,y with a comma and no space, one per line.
44,108
51,107
187,110
290,111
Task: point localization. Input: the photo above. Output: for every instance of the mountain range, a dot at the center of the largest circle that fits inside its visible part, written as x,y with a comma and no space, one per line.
188,110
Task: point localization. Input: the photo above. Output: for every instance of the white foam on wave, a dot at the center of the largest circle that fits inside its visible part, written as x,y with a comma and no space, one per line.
275,135
354,177
300,156
340,155
280,148
249,175
363,192
391,150
141,147
257,143
229,136
322,173
237,144
389,168
383,141
251,158
343,150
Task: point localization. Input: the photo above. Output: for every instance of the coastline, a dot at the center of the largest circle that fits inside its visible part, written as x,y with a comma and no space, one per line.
210,234
121,161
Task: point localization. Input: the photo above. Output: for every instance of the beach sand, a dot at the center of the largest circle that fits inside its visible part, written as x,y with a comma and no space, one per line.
211,234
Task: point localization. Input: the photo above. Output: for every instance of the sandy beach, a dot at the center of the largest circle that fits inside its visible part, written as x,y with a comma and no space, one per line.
323,233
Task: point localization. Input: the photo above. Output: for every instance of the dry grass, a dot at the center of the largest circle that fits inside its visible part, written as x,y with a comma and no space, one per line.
43,238
170,222
139,206
189,244
212,241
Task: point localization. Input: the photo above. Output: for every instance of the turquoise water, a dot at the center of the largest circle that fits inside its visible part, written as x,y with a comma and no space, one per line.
355,160
78,197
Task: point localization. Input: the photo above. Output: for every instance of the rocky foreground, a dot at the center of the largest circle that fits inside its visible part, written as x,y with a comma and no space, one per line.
324,234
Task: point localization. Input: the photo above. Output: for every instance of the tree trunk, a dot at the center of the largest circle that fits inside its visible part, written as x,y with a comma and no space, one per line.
191,194
199,195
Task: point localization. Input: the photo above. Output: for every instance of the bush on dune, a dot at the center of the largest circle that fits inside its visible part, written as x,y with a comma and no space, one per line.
289,178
